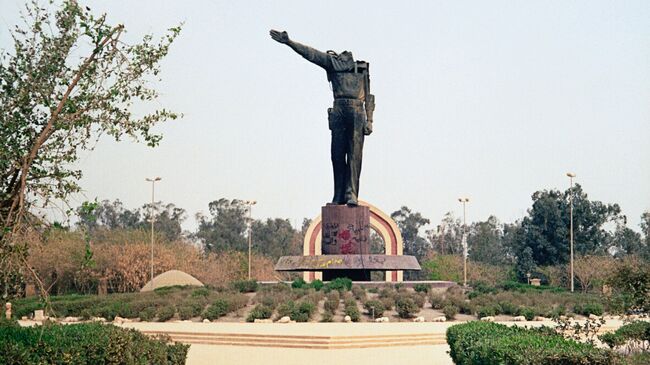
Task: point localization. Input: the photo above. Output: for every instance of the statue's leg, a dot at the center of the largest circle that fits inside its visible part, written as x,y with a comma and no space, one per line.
338,152
355,154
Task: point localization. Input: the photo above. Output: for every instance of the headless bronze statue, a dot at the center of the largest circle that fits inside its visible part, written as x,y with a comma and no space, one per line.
350,118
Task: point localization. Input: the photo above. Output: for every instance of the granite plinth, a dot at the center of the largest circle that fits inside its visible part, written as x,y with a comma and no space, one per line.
347,262
346,230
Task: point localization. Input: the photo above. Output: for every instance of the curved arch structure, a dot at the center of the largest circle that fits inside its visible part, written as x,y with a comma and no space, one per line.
380,222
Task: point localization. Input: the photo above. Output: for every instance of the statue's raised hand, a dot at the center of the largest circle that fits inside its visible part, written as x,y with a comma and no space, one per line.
282,37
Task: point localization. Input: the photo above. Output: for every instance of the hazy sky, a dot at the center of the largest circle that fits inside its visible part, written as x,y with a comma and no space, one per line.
489,99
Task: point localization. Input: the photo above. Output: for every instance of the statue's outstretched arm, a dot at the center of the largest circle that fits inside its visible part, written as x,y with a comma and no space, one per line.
310,54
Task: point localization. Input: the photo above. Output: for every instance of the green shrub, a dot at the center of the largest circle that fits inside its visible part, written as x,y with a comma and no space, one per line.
299,312
299,283
352,310
165,313
527,312
219,308
359,292
636,331
332,302
487,311
190,309
244,286
200,292
327,317
147,314
422,288
389,303
259,312
450,311
437,301
340,284
509,308
478,343
588,308
317,285
86,343
406,307
374,307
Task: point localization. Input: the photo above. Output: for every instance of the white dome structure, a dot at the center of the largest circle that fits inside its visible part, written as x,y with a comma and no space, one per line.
171,278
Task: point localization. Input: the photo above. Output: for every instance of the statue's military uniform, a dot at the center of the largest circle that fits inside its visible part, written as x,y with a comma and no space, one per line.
350,118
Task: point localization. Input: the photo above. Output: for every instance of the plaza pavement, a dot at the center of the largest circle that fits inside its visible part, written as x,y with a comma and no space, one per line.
315,343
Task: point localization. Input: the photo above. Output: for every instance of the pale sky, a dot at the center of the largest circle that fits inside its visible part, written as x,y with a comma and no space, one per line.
493,100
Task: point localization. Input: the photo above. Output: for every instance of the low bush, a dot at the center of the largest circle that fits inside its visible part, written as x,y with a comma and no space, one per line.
190,310
352,310
327,317
147,314
359,292
244,286
332,302
450,311
340,284
588,308
478,343
509,308
299,283
488,311
406,307
200,292
317,285
529,313
299,312
165,313
638,332
259,312
374,308
437,301
219,308
87,343
422,288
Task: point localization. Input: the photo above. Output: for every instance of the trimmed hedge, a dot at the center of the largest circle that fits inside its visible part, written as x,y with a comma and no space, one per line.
81,344
479,343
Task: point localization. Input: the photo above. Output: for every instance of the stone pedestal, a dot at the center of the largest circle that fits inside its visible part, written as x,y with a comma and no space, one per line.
346,230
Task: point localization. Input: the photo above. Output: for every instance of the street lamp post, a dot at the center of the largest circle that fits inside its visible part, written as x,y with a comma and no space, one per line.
152,217
571,175
250,204
464,201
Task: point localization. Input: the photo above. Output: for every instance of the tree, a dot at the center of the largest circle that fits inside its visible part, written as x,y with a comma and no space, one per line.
68,79
409,224
485,240
627,241
275,238
109,216
645,229
545,230
226,227
447,236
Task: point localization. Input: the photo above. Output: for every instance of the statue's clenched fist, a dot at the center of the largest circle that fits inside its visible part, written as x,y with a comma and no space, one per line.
282,37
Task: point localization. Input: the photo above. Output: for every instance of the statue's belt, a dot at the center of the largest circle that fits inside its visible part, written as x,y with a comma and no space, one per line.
342,101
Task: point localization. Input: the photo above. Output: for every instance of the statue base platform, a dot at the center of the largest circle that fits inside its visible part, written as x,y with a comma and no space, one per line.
345,247
347,262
